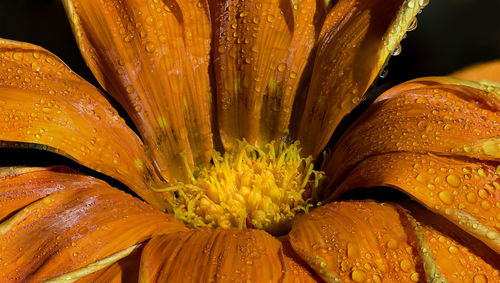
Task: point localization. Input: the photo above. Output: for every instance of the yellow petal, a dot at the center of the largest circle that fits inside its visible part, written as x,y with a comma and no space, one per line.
43,104
355,42
229,255
74,228
153,58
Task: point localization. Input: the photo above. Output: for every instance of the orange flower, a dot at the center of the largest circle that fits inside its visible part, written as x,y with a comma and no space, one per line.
234,102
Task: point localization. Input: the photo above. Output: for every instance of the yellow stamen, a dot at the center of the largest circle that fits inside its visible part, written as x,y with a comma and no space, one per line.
250,187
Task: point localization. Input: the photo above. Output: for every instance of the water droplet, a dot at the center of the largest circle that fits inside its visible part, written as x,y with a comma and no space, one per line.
18,56
486,205
453,249
471,197
397,50
281,67
405,265
150,47
384,74
482,193
129,89
221,49
358,276
446,197
453,180
413,25
480,278
492,235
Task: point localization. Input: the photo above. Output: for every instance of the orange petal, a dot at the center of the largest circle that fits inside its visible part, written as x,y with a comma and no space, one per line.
75,229
458,263
43,104
465,192
126,270
355,42
442,116
220,255
260,52
459,257
489,71
358,241
20,186
297,270
153,57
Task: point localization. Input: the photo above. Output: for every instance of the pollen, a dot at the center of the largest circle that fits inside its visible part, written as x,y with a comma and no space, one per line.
249,187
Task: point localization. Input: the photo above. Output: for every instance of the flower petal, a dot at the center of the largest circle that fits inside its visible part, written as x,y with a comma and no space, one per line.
355,42
460,257
297,270
75,228
442,116
435,139
260,52
153,57
358,241
489,71
43,104
205,255
21,186
466,193
125,270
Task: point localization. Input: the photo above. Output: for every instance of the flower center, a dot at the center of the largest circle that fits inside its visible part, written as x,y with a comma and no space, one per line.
250,187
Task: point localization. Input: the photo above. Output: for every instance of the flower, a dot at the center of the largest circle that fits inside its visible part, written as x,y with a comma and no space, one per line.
234,101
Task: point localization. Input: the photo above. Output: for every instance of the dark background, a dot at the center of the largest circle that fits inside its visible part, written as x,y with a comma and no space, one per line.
451,34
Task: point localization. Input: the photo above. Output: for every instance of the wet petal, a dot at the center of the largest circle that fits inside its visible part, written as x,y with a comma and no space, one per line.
204,255
358,241
457,262
458,256
489,71
465,192
442,116
20,186
125,270
356,40
76,230
261,49
153,58
297,270
43,104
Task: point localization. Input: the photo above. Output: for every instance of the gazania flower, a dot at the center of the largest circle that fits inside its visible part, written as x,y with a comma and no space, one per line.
234,103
